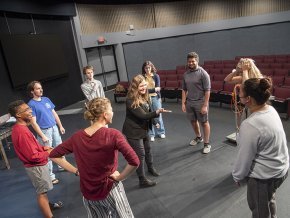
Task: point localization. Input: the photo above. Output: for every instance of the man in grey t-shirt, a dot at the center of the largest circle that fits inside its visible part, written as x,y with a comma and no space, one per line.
195,99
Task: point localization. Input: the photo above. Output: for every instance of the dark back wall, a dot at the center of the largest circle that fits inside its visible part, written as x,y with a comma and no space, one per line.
167,53
63,91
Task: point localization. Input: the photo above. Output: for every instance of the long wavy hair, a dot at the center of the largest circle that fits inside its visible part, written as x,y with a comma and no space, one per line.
254,72
146,63
133,92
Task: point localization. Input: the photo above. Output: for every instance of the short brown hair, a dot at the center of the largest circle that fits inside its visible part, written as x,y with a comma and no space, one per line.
193,55
87,68
30,87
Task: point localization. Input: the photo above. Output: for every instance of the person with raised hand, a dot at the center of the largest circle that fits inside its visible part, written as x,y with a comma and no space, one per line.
138,121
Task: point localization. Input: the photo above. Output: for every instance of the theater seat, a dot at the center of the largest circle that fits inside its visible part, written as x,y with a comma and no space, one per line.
281,72
216,88
286,83
171,90
281,101
278,80
227,93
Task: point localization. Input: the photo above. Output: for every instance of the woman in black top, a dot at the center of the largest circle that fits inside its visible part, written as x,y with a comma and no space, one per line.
138,121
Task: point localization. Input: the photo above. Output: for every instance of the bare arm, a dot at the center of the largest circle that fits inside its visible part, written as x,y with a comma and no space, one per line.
124,174
233,78
206,98
204,108
246,66
245,75
183,100
37,129
57,153
56,117
64,164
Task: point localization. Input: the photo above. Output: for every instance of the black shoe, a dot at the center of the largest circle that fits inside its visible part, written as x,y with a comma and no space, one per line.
144,183
153,171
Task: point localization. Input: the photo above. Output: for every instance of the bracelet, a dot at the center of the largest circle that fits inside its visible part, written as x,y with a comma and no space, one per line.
77,173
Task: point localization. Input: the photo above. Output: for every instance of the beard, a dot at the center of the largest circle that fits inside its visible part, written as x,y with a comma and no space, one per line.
192,67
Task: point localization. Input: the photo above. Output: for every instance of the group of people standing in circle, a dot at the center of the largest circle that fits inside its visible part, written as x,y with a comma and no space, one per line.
262,160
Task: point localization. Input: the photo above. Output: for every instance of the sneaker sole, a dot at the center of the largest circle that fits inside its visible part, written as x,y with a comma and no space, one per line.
207,152
196,143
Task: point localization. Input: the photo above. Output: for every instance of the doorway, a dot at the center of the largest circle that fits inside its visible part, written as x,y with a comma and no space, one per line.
103,60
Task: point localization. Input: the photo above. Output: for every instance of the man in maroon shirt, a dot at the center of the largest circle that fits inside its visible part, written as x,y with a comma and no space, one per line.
33,155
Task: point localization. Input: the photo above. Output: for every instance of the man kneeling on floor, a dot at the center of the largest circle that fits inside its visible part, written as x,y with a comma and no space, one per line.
34,156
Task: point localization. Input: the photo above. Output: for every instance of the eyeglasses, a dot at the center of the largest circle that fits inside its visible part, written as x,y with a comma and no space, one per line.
25,110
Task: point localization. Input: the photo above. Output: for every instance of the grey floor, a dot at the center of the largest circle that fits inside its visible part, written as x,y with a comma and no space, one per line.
191,184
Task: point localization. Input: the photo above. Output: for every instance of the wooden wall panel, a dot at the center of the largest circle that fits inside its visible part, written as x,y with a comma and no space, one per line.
117,18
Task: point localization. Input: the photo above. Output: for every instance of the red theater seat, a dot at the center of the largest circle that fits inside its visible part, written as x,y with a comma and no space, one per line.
216,88
181,67
226,93
267,72
286,83
281,72
171,90
278,80
281,102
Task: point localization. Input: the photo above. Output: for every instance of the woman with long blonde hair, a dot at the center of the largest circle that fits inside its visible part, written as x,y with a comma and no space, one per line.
139,119
245,69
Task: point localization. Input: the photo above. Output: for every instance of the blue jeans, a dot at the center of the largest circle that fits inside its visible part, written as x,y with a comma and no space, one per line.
156,104
54,138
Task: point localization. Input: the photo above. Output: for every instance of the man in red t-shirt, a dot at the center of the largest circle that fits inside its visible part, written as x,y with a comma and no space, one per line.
33,155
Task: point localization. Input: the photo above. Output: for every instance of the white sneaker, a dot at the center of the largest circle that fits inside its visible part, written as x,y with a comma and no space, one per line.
162,136
206,149
152,139
196,141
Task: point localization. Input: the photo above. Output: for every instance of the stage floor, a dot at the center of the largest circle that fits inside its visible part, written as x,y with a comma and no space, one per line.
191,184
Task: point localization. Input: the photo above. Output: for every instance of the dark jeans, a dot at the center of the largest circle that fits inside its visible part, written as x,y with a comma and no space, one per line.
261,196
143,150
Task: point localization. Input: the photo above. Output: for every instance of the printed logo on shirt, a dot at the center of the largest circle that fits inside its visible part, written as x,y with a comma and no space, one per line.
48,105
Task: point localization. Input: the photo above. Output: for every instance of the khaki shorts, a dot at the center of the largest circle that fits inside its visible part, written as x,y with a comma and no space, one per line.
193,111
39,176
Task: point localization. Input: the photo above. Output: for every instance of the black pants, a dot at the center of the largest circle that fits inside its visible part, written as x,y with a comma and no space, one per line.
143,150
261,196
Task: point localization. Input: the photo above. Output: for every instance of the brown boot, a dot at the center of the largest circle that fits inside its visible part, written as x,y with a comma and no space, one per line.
153,171
144,182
